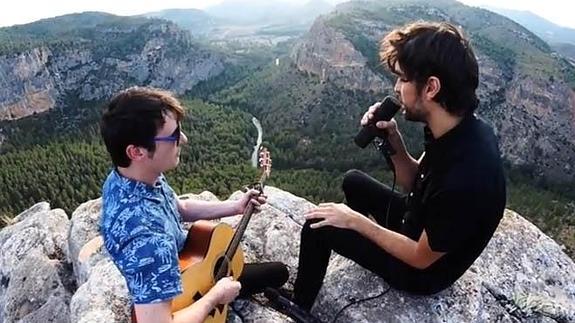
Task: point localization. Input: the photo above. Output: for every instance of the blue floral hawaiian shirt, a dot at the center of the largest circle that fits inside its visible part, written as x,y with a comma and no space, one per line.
143,233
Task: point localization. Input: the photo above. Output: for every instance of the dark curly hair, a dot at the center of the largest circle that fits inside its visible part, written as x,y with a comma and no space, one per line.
424,49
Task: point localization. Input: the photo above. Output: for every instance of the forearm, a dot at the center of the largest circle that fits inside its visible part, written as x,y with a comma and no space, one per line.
197,312
405,165
397,245
192,210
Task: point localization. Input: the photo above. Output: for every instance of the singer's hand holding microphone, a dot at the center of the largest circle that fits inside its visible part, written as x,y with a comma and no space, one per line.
378,122
390,127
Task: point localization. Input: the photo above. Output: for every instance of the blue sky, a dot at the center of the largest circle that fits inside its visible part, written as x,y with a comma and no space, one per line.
24,11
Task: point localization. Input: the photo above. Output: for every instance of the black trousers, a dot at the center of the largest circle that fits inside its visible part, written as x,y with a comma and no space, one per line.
256,277
368,196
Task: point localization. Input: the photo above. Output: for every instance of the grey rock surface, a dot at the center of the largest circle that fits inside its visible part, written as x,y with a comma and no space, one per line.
522,276
36,281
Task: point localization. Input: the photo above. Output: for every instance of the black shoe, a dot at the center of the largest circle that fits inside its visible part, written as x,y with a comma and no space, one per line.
281,301
286,293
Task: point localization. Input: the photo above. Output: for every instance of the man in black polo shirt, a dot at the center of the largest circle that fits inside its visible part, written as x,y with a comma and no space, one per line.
455,192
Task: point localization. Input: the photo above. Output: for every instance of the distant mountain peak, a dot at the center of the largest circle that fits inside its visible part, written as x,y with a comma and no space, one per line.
544,28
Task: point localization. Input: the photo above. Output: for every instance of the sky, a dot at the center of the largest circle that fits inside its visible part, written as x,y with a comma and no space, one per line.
25,11
559,12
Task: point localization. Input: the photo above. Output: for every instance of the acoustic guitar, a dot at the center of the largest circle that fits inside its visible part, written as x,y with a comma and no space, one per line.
212,251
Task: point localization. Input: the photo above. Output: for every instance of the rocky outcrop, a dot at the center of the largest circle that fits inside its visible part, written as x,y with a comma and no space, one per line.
36,277
41,78
537,126
325,52
521,276
23,91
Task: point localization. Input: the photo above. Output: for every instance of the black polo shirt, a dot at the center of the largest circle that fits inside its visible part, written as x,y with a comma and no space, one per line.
458,197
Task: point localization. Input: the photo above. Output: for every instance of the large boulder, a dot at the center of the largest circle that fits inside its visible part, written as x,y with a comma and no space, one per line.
102,294
36,279
522,275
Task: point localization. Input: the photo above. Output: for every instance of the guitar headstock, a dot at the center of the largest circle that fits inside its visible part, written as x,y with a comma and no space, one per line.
265,162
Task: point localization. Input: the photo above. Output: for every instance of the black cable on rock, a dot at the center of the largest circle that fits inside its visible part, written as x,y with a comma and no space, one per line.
359,301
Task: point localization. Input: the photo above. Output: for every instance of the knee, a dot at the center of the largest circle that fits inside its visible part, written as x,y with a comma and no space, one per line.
283,273
351,180
307,233
280,273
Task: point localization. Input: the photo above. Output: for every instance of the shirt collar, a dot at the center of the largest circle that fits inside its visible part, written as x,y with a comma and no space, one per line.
448,140
136,187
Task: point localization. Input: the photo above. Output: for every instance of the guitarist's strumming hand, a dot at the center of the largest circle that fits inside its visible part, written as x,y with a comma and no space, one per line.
251,196
225,290
337,215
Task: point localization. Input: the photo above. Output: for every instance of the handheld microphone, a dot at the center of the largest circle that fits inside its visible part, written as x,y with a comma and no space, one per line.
384,112
289,308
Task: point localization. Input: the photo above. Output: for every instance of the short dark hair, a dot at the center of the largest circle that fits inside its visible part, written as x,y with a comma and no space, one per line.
134,117
424,49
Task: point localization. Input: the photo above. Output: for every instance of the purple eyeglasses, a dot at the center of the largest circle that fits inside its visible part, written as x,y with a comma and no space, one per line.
175,136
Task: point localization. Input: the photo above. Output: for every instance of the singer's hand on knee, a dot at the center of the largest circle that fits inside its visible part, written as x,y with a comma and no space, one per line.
369,114
336,215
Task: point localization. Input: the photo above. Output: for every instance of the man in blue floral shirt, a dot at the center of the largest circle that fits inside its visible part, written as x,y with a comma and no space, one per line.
142,217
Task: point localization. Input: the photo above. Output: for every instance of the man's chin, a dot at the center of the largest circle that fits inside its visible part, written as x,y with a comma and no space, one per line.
412,117
407,116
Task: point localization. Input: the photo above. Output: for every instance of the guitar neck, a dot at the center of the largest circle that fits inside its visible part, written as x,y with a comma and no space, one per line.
242,226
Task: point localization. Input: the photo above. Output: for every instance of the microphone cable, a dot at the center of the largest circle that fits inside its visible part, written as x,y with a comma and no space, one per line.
384,148
360,301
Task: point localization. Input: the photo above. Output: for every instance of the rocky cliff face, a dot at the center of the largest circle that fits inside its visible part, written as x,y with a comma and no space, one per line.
162,55
324,51
55,270
523,90
537,126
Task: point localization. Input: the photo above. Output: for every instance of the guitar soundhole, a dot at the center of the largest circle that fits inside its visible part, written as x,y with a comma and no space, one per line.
224,263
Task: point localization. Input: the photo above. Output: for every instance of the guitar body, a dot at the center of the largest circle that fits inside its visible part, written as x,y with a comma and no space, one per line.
208,247
200,259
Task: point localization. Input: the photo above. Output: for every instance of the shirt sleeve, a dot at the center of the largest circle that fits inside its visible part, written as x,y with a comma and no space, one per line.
452,219
150,266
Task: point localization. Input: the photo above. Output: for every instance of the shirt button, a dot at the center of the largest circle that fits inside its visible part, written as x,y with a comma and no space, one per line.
402,221
421,176
411,194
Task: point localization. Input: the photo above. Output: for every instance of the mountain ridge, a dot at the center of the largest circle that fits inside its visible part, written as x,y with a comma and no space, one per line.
94,55
544,28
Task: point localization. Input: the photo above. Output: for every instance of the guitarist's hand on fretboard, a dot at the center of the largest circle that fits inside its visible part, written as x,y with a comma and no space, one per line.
253,197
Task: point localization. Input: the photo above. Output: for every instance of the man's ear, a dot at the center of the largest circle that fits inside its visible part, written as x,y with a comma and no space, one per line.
432,87
136,153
